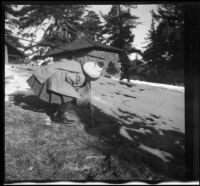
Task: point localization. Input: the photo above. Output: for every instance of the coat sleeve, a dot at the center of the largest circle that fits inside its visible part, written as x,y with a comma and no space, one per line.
74,78
59,85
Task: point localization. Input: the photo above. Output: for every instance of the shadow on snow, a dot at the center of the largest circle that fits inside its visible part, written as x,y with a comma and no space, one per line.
106,128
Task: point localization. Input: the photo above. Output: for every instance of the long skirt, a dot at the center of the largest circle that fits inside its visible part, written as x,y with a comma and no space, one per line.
41,90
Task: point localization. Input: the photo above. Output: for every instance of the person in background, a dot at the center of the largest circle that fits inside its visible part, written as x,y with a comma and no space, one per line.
125,67
64,84
125,72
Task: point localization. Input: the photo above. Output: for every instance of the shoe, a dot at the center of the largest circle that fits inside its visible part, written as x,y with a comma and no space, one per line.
61,119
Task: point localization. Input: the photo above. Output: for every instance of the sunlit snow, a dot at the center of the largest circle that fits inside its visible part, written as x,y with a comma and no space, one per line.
15,80
172,87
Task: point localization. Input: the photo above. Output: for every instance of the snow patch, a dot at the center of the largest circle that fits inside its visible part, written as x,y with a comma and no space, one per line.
48,121
14,81
164,156
99,99
172,87
124,133
140,130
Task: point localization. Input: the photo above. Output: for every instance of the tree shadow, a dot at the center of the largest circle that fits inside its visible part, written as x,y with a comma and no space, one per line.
107,128
112,143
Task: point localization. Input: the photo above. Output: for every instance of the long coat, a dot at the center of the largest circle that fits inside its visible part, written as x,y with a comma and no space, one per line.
60,82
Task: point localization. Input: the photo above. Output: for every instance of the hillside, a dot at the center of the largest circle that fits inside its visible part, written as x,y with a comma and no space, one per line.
133,133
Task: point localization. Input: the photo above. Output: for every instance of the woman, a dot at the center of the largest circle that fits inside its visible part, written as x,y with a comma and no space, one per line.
64,83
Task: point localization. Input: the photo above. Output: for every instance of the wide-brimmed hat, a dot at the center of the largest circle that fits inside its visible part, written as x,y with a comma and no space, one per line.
92,70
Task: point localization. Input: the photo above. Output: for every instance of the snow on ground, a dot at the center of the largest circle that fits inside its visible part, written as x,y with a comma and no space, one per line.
146,104
15,80
163,107
172,87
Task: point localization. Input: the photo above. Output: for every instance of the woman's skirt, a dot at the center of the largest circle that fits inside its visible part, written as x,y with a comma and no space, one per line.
41,90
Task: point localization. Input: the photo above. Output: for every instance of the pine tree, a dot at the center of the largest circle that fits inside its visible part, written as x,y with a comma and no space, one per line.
150,54
31,18
92,25
34,17
118,26
166,47
10,25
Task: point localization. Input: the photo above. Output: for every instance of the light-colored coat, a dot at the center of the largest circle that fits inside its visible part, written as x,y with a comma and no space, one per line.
64,78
